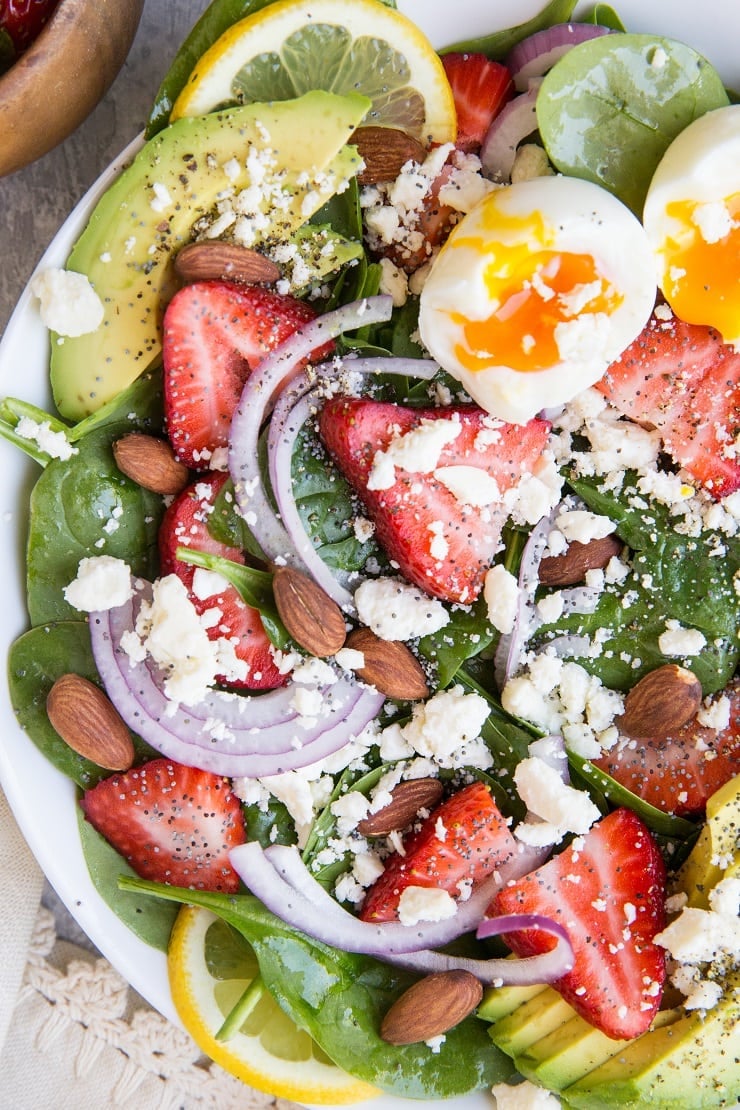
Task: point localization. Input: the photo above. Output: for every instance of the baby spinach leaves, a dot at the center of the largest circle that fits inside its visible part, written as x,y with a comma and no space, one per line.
673,577
609,108
340,998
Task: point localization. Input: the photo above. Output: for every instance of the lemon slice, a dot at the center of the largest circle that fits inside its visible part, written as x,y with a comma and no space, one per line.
294,46
210,967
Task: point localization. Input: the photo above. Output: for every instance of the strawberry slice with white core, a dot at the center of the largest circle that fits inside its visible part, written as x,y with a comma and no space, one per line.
432,481
608,890
214,333
185,524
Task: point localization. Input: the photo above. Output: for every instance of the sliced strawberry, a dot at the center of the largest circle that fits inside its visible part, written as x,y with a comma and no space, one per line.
682,379
480,89
185,524
172,824
442,545
680,773
214,333
608,890
465,838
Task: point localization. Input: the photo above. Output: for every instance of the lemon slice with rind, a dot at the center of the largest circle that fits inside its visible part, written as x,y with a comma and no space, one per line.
210,967
294,46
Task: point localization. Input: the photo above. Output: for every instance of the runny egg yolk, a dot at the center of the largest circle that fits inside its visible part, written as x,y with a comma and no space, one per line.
702,263
533,289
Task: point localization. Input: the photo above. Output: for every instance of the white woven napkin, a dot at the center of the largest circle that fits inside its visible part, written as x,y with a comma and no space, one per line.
21,882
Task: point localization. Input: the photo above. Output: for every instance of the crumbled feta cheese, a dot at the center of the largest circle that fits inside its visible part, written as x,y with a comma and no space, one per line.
420,903
562,807
501,593
678,641
69,304
446,729
523,1096
583,526
395,610
54,444
394,282
102,583
416,451
470,485
174,636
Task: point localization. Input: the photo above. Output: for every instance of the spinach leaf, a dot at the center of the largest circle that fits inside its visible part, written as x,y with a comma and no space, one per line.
228,526
35,661
151,921
327,506
673,577
85,504
340,998
82,505
467,634
498,44
606,113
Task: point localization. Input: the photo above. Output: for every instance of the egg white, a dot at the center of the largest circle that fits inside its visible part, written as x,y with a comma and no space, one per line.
581,218
702,167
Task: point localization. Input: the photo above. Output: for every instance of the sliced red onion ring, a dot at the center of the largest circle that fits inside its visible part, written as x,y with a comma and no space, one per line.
510,127
230,735
260,389
306,906
293,408
510,648
536,54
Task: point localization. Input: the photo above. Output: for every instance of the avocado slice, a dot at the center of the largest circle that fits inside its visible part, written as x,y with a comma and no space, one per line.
573,1050
497,1002
297,152
719,840
534,1019
691,1062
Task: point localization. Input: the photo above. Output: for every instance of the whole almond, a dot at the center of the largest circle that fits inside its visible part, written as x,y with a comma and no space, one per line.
311,617
218,261
89,723
151,462
431,1006
661,702
385,150
389,666
407,798
571,566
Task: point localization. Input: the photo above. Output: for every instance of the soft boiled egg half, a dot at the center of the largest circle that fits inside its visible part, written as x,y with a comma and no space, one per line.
692,218
537,290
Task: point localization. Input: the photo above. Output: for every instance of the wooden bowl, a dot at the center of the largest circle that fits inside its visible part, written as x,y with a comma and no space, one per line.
58,81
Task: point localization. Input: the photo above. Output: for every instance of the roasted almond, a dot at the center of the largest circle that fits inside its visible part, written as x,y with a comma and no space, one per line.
89,723
218,261
311,617
571,566
661,702
431,1006
151,462
407,798
385,150
389,666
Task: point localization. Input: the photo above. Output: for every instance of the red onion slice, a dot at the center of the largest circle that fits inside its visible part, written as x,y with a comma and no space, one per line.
260,389
226,734
536,54
306,909
510,127
510,648
293,408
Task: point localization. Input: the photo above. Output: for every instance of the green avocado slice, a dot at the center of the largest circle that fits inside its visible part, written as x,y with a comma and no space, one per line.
293,153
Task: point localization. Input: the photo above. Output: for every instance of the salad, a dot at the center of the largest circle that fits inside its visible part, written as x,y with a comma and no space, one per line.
390,617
